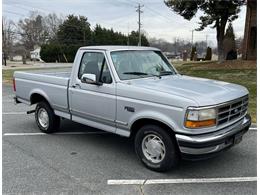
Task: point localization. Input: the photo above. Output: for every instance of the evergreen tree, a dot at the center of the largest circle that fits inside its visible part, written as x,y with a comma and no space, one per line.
134,39
230,43
74,30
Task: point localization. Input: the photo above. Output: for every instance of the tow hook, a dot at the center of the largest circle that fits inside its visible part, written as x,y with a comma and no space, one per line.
30,111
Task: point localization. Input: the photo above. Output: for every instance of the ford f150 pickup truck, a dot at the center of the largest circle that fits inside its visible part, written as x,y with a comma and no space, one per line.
136,92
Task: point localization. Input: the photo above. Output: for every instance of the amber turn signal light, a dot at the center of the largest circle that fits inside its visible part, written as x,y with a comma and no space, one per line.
196,124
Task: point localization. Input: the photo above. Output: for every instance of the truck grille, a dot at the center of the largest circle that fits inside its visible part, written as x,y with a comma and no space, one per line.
232,110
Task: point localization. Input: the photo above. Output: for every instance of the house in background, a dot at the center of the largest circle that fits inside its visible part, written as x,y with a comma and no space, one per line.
249,50
35,55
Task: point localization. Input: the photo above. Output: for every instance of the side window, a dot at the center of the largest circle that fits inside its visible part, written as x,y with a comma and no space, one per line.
95,63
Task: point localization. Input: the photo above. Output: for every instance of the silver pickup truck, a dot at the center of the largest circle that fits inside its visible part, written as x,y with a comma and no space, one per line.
136,92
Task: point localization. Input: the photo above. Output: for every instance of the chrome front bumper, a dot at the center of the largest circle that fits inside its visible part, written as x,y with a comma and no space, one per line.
205,145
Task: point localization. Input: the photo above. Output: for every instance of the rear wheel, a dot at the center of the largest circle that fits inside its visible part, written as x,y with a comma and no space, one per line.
45,118
155,148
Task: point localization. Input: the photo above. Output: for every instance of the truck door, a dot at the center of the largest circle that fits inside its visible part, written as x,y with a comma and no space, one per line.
91,104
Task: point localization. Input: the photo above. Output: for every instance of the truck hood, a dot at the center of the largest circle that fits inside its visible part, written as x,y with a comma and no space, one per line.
203,91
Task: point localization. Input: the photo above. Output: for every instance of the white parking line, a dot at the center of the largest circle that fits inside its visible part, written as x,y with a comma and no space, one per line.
178,181
126,182
13,113
58,133
8,101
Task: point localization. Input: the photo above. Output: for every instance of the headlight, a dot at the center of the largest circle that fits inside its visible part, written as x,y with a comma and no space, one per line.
200,118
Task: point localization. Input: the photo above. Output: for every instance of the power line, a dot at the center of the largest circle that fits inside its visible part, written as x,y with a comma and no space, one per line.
32,7
159,14
22,7
126,3
150,9
15,13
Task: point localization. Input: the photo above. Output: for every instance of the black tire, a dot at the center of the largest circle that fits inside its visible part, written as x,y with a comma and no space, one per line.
171,154
53,120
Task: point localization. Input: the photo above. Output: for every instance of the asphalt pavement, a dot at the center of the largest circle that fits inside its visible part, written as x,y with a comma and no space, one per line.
83,160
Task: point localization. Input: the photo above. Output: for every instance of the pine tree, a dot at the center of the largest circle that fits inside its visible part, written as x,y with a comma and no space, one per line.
230,43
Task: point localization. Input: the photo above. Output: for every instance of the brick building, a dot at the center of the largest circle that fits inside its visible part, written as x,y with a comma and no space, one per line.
250,45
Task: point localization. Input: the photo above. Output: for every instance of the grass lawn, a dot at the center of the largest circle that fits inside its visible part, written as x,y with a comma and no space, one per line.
239,72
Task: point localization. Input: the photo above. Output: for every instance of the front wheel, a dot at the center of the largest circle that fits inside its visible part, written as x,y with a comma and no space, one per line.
155,148
45,118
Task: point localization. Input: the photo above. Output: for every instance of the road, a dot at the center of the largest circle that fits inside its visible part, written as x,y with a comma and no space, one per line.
83,160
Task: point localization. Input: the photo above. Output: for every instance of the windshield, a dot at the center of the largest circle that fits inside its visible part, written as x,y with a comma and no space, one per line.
140,63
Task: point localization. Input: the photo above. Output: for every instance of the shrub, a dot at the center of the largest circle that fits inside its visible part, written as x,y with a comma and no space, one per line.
54,52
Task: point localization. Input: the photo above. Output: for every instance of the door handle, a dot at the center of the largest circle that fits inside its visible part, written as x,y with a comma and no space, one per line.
76,85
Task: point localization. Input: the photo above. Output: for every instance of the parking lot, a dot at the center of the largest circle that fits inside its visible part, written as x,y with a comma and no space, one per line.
83,160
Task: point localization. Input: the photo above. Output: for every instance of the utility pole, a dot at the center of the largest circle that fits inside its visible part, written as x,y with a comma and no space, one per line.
175,45
128,42
4,45
139,22
192,37
206,40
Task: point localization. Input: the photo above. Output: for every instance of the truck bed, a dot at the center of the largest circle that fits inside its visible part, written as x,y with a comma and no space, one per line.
53,86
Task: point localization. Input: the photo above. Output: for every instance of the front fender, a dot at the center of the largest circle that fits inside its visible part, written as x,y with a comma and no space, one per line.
158,116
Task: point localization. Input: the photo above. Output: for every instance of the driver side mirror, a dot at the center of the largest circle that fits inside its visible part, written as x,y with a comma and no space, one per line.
90,79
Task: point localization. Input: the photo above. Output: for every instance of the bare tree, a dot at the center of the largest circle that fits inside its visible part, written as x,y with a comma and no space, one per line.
8,37
177,46
32,31
52,23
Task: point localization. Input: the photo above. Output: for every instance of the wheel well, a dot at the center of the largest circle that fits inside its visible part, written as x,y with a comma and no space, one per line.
141,122
36,98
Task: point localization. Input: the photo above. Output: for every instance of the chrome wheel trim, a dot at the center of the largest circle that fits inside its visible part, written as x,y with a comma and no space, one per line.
43,118
153,148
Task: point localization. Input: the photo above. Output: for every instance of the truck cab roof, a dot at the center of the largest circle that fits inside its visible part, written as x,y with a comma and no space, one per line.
117,48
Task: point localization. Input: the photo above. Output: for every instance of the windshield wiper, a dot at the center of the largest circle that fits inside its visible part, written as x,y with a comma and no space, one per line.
163,73
136,73
141,74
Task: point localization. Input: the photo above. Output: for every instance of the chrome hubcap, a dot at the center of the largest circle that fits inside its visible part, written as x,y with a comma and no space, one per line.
43,118
153,148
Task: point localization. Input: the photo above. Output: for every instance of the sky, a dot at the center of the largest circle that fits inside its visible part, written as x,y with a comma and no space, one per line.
157,19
